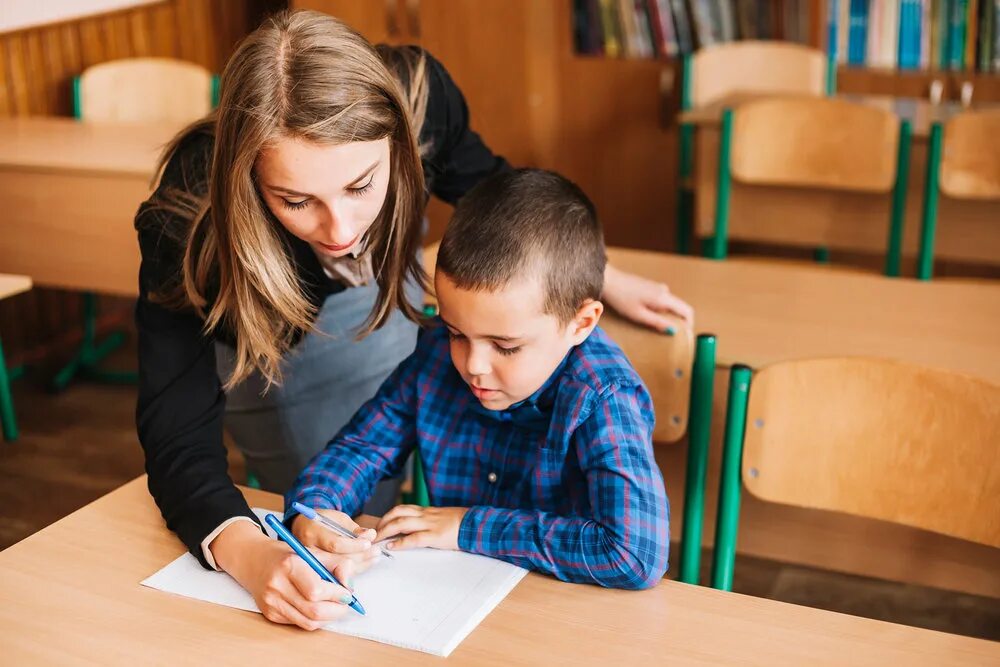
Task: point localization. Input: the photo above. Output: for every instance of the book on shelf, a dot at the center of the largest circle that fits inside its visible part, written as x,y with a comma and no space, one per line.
668,28
958,35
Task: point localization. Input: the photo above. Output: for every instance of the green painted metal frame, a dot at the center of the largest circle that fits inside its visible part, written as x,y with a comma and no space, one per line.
699,428
717,246
8,419
928,227
730,483
685,197
894,248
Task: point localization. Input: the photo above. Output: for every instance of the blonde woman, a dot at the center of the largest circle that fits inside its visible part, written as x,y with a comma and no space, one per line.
281,278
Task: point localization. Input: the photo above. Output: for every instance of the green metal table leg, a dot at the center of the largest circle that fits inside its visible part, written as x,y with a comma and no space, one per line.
699,427
730,484
925,258
719,242
87,360
7,416
894,251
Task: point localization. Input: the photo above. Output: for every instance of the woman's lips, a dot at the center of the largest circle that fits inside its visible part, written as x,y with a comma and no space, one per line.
337,248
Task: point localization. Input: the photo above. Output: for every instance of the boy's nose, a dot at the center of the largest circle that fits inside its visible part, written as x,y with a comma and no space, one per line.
477,364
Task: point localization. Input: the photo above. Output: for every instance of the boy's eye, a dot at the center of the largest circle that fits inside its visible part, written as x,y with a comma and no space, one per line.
507,351
294,205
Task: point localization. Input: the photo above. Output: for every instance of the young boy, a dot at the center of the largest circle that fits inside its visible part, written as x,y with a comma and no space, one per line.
533,429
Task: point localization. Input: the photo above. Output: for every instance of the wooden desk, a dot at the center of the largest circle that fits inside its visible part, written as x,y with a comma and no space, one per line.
767,312
968,230
764,312
69,192
70,594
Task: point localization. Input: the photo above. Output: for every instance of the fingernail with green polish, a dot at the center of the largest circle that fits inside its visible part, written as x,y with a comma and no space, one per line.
670,331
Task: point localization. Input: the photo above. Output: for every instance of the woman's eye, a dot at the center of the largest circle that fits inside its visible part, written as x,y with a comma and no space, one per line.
363,190
294,205
454,336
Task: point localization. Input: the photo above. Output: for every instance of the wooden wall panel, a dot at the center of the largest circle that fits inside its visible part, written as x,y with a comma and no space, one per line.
36,69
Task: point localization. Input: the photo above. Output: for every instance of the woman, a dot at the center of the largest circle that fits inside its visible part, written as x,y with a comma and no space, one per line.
283,226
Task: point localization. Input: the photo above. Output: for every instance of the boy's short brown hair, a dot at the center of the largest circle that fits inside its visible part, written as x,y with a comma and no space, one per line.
527,221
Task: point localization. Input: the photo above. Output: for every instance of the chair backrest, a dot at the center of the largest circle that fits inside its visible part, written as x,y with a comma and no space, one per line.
815,142
144,90
879,439
756,67
663,362
970,159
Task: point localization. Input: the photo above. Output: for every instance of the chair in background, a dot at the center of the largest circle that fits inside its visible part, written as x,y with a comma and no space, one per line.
711,73
868,437
133,90
963,162
818,143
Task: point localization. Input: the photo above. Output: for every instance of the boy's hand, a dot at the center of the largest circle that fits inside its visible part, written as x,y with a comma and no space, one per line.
435,527
317,536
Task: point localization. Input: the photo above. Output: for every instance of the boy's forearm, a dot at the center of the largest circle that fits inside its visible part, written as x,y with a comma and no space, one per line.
574,549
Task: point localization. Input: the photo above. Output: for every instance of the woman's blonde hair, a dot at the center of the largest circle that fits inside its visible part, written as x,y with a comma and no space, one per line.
304,75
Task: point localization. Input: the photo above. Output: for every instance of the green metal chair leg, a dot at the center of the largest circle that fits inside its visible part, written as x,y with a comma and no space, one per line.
420,495
87,360
894,250
252,480
928,228
685,199
730,483
718,245
821,255
7,417
699,427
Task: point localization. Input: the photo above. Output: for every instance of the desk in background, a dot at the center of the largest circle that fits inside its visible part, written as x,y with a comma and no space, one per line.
69,193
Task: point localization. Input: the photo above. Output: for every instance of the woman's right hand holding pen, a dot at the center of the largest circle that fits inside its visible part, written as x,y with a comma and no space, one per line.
283,585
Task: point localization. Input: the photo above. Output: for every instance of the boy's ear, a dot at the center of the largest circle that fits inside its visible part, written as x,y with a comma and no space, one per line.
586,318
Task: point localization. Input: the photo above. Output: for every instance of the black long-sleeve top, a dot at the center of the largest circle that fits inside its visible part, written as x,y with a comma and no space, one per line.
181,402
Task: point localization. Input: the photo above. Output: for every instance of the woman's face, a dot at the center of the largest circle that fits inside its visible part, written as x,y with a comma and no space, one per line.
326,195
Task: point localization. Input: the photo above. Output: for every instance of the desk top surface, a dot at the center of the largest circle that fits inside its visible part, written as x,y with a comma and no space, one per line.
71,595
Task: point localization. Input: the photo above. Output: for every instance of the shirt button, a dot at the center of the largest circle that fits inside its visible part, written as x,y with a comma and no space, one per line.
492,477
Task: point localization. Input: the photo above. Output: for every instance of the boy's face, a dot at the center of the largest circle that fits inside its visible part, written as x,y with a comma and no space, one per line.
502,343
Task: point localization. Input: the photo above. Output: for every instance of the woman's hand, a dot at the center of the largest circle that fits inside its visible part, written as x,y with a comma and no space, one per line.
315,536
644,301
435,527
285,588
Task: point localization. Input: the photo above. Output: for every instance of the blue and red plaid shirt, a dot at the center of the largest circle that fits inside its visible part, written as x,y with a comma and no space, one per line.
564,482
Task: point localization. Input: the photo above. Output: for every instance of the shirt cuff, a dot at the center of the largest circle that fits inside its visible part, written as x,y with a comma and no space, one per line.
205,543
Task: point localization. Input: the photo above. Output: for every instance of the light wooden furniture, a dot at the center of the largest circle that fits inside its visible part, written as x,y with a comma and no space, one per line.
757,66
964,165
811,143
846,221
9,286
71,595
143,90
764,313
70,191
869,437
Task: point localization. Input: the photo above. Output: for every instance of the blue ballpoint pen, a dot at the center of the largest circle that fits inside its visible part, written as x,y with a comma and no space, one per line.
306,555
313,515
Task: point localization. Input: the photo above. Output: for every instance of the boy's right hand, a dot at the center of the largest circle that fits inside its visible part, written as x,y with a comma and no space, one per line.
314,535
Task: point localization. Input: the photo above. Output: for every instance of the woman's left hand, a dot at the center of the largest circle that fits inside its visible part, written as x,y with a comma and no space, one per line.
644,301
435,527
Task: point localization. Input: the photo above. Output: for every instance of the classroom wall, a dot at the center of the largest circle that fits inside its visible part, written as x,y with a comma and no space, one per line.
36,68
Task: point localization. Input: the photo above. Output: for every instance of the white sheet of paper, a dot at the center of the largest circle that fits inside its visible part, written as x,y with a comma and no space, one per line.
426,600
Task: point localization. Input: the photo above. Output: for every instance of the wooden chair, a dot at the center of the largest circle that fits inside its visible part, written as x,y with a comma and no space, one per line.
129,91
723,69
819,143
679,373
9,286
963,162
869,437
